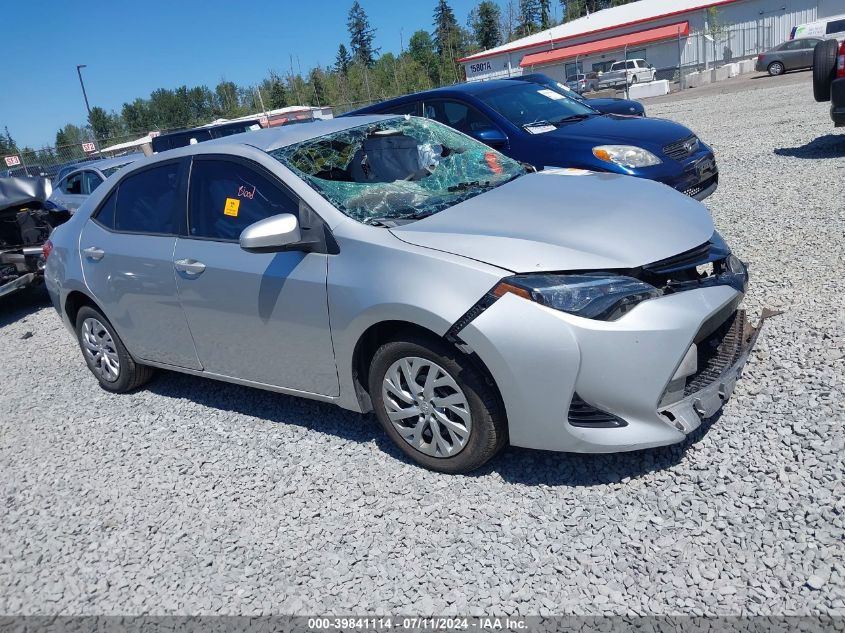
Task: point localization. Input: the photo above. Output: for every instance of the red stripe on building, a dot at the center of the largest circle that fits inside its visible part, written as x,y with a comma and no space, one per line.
608,44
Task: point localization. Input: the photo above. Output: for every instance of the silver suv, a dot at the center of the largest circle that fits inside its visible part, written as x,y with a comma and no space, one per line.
396,265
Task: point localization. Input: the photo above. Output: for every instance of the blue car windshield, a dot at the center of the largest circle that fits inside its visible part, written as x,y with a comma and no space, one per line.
528,105
399,169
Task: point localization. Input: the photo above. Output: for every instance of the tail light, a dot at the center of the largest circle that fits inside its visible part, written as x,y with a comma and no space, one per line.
840,62
47,249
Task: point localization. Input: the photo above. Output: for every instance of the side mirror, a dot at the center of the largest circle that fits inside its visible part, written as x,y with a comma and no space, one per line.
491,137
272,234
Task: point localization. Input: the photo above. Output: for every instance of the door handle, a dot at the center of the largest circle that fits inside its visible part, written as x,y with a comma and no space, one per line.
189,266
93,253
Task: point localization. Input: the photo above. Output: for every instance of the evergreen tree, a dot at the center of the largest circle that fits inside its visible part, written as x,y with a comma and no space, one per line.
361,35
342,60
545,14
485,25
275,88
446,30
529,17
7,143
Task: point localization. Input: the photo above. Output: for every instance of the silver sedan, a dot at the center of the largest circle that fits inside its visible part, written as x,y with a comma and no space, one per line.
395,265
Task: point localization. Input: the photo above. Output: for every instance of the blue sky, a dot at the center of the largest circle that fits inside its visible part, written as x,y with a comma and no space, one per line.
132,48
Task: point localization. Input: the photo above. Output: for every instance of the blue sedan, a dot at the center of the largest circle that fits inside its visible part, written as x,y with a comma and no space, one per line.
543,127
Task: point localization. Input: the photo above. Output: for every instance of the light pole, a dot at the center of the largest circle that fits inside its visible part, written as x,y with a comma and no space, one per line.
79,68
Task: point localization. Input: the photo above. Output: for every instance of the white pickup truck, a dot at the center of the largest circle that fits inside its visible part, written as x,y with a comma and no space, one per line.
629,71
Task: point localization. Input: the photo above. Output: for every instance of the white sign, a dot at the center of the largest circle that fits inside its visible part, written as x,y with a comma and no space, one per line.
551,94
88,147
11,161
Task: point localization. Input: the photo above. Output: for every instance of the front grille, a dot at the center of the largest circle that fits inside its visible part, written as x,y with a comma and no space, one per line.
586,415
680,150
717,352
688,259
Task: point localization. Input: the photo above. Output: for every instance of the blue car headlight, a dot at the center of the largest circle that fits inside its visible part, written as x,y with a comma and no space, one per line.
603,296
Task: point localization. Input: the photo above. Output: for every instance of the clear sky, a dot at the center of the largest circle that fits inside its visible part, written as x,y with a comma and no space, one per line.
133,47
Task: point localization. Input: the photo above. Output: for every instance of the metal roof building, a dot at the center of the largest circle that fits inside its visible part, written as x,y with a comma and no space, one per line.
666,33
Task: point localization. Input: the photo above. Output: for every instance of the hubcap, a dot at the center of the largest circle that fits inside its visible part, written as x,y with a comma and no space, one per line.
426,406
100,350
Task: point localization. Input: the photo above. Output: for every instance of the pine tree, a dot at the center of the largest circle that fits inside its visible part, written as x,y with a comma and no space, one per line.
361,35
446,30
278,94
485,25
529,17
343,59
545,14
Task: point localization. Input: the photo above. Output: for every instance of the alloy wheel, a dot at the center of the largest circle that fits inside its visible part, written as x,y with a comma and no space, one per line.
426,406
100,350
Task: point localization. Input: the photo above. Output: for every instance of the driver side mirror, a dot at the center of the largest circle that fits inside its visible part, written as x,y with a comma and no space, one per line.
491,136
272,234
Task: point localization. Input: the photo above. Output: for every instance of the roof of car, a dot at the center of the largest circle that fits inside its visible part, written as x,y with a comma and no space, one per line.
275,137
105,163
470,88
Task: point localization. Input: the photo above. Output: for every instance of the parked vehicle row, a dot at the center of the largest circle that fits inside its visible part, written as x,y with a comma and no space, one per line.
539,124
393,264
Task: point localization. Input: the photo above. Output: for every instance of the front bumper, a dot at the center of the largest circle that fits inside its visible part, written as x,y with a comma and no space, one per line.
699,178
837,102
541,358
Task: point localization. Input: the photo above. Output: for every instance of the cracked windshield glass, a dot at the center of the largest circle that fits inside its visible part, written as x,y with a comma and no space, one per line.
398,170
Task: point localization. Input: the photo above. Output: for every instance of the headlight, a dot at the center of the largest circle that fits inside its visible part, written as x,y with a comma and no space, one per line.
628,156
600,296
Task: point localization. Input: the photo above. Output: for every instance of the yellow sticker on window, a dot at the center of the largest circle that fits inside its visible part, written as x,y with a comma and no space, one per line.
232,206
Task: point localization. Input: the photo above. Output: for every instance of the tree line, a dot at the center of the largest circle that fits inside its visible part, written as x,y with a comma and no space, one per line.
360,74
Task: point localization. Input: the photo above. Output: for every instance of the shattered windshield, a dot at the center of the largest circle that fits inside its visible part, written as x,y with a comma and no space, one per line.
398,169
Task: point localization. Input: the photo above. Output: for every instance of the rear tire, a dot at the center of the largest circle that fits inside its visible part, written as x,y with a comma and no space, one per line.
824,68
105,354
457,437
633,80
776,68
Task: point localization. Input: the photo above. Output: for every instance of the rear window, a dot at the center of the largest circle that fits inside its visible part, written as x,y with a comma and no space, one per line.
835,26
147,202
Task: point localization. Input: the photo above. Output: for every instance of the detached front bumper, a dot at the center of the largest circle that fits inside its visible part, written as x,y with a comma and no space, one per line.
551,367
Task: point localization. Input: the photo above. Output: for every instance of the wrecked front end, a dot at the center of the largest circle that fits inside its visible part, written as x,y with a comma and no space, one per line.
26,222
644,375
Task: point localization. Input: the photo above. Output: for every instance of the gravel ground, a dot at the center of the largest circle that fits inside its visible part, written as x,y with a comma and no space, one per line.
200,497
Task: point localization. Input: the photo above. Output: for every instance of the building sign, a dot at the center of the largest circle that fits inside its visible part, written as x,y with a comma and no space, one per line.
11,161
88,147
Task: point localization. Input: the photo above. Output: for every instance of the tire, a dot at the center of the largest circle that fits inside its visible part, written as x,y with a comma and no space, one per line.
824,68
776,68
101,348
633,80
458,380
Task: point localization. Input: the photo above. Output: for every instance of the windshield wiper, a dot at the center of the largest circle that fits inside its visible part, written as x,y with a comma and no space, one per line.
538,123
572,117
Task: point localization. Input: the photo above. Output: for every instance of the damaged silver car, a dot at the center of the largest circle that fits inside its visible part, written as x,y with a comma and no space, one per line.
395,265
26,221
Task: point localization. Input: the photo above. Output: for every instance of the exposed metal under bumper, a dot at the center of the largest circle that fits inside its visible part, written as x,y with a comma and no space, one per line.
687,414
18,284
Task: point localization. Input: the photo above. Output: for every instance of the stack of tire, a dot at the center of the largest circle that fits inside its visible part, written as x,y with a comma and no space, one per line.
824,68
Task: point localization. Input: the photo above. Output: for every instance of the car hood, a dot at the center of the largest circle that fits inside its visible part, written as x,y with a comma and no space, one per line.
612,128
616,106
564,220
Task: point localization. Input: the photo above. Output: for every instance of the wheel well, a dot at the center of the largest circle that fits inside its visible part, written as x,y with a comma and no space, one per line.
376,335
75,300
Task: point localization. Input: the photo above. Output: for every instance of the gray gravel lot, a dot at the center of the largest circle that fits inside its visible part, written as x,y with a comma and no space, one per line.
194,496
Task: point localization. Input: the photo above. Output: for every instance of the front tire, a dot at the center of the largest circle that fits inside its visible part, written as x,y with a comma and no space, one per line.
436,406
776,68
105,354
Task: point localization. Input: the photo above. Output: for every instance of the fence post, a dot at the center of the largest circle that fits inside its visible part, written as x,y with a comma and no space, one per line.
680,62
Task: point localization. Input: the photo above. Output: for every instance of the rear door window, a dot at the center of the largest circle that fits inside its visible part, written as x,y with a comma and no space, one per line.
227,196
73,184
91,181
148,202
457,115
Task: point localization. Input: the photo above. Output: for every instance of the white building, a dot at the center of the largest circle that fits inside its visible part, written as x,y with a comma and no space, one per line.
667,33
